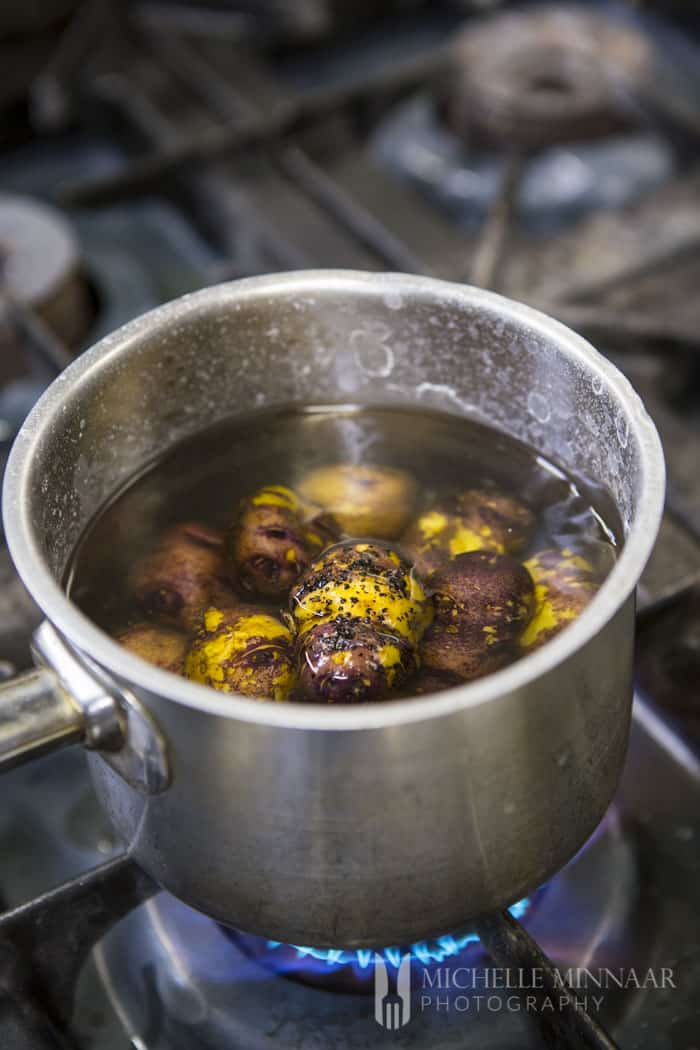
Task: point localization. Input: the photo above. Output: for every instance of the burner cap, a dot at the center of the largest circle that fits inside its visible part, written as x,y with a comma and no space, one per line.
40,266
556,74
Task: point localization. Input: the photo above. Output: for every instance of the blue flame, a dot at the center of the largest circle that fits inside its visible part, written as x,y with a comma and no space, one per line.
426,952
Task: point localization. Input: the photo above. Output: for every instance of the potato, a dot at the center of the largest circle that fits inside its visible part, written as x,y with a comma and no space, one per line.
366,582
348,661
184,574
360,614
482,602
363,500
243,650
161,646
476,519
564,585
270,544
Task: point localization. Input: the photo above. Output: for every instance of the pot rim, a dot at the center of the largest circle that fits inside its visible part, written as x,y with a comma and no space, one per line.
90,639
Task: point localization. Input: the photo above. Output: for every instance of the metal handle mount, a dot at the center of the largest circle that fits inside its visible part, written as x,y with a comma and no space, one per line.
66,700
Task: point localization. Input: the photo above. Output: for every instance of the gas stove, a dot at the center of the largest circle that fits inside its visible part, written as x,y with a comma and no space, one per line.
550,153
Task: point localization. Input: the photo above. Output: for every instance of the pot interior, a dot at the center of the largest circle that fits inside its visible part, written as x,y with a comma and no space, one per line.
324,338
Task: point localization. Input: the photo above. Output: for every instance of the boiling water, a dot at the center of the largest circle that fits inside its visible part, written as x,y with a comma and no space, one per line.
204,478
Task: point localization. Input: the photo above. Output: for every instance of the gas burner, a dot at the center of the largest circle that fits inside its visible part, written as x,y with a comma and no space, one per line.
178,979
353,971
557,186
40,267
556,74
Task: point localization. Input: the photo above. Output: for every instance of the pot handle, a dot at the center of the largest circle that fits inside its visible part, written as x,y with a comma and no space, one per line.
67,700
36,716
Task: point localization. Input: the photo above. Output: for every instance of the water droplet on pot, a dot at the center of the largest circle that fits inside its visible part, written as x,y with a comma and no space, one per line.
538,406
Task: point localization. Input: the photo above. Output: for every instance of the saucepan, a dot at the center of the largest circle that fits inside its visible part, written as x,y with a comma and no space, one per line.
333,826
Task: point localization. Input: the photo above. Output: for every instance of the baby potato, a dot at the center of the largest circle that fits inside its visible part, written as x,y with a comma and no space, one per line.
270,544
347,661
464,653
482,602
184,574
474,520
366,582
243,650
564,585
161,646
363,500
360,614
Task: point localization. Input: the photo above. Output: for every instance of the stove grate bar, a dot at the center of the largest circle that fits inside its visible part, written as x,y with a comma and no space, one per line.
44,348
570,1028
44,943
225,99
347,213
257,129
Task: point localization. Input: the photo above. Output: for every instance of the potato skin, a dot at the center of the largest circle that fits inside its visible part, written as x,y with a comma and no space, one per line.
161,646
360,614
365,582
243,650
346,661
476,519
269,545
364,500
185,573
564,585
482,602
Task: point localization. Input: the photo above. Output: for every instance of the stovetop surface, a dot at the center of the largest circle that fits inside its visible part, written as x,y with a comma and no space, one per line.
184,145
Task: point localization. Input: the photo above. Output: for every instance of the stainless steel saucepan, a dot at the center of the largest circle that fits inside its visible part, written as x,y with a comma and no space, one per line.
333,826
